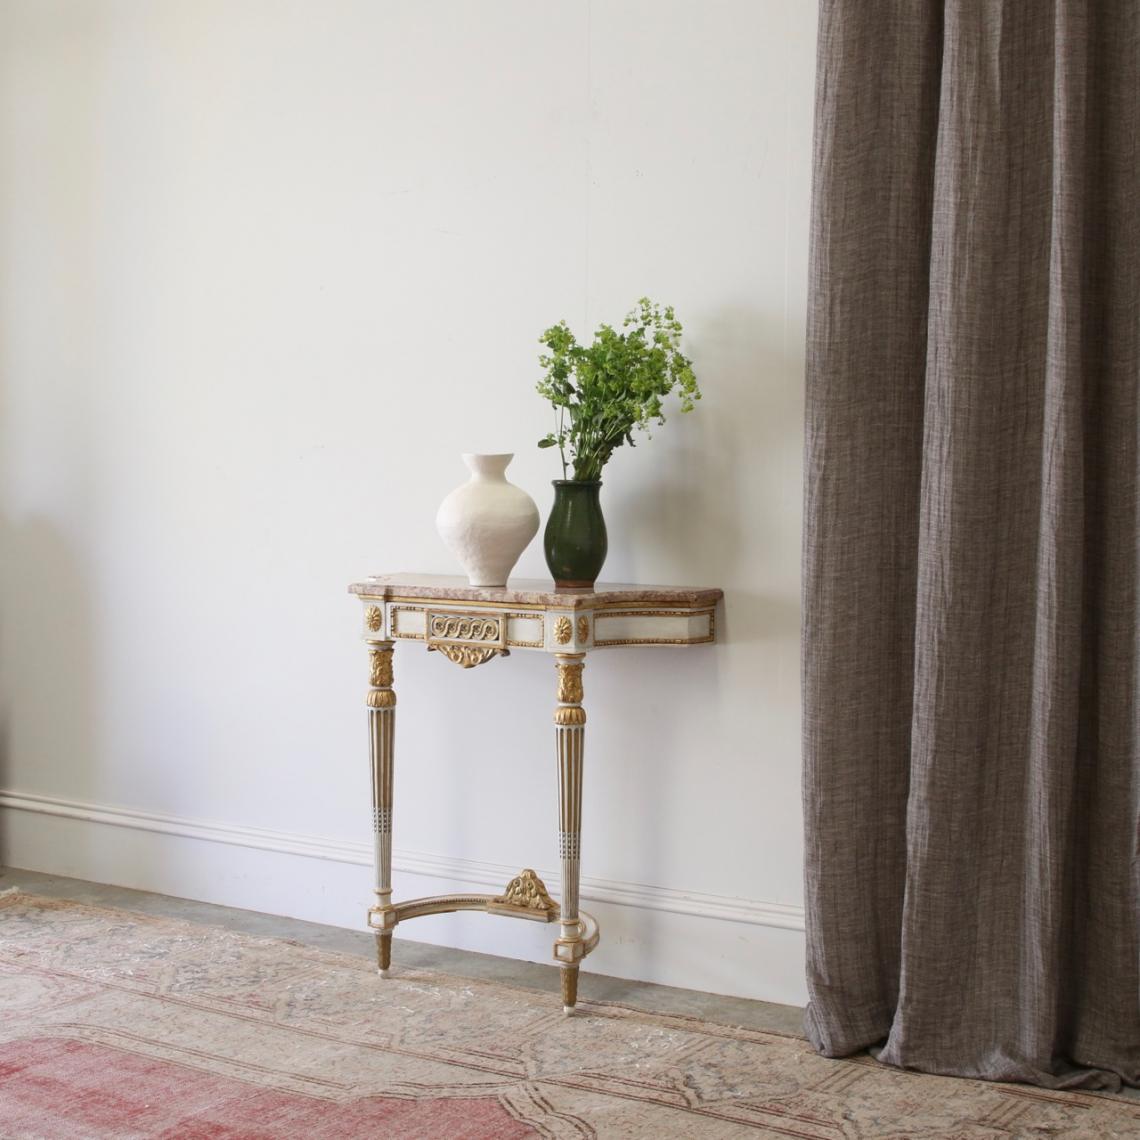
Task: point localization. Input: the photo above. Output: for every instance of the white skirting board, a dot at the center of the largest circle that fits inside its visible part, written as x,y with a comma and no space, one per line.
655,934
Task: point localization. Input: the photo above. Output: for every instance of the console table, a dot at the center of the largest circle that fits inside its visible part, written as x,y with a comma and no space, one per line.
471,625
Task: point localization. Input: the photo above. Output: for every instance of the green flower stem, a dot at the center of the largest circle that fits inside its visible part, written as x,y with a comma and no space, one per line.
603,392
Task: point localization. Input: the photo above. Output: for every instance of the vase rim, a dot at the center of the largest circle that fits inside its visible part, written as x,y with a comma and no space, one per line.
576,482
488,463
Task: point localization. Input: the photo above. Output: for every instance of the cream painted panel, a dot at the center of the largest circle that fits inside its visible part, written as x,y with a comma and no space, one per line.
666,628
525,630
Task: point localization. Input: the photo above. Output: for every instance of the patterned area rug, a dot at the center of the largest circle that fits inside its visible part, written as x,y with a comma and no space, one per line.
114,1024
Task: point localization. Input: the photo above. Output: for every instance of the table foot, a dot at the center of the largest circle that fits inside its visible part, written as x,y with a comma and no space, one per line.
383,953
569,976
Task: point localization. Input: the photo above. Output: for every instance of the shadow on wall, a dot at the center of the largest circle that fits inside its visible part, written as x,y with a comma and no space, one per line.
52,325
48,683
723,509
726,507
5,734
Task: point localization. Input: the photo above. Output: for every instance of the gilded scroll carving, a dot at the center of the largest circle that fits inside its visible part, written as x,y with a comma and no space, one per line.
527,891
467,656
466,628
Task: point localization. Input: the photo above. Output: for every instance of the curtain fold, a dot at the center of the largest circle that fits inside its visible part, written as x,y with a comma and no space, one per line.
971,628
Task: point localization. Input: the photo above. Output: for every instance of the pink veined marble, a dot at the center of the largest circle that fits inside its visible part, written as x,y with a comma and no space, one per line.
533,591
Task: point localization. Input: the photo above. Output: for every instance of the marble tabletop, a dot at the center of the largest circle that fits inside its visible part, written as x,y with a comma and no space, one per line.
533,592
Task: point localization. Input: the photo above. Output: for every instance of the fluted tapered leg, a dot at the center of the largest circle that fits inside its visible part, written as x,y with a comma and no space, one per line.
569,731
381,702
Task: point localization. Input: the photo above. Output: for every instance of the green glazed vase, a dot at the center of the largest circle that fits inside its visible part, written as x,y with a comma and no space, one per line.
575,536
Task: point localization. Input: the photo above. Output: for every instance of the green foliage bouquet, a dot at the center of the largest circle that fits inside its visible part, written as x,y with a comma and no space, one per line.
602,392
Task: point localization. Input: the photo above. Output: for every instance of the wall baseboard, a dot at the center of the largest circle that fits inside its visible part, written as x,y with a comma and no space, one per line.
494,876
654,934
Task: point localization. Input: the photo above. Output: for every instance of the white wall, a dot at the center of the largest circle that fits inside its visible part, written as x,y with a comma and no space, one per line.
267,268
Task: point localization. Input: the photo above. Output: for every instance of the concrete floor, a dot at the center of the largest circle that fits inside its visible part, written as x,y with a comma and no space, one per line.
641,995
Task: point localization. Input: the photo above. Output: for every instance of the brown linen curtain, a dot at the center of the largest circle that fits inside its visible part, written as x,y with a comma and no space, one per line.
971,628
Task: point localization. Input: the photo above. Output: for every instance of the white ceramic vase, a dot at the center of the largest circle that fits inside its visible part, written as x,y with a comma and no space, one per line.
487,522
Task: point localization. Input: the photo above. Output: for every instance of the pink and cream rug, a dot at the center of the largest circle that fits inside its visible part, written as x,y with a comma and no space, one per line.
114,1024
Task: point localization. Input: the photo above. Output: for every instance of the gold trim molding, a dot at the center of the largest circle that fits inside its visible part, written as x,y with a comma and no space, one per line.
536,618
600,642
570,716
395,611
380,699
